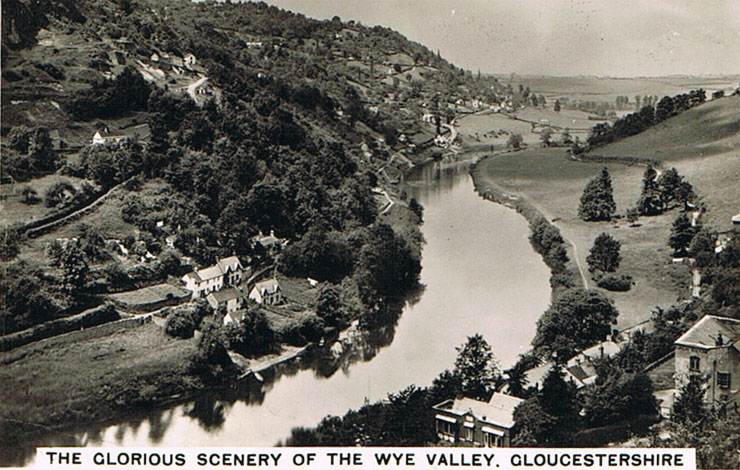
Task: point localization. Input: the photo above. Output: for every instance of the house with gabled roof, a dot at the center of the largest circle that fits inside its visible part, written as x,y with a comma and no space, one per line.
474,422
267,292
711,350
230,298
226,272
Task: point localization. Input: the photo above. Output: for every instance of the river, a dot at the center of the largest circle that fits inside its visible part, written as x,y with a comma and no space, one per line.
479,275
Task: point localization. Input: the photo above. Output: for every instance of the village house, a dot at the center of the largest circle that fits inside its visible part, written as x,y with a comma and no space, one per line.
230,298
270,243
106,138
226,272
468,421
189,60
711,350
267,292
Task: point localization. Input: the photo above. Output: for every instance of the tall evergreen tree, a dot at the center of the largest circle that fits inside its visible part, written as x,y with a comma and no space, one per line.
597,201
604,255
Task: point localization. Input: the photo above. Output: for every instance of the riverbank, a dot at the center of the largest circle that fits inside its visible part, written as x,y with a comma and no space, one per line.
559,277
548,183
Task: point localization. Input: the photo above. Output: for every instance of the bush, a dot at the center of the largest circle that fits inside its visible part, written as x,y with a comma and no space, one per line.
183,322
304,328
615,282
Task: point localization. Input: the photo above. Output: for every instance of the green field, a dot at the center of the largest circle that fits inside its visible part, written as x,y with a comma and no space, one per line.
553,183
89,380
702,143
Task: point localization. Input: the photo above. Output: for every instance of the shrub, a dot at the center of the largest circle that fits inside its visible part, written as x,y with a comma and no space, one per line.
305,327
615,282
183,322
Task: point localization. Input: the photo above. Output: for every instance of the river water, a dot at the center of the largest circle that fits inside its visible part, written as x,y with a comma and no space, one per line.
479,275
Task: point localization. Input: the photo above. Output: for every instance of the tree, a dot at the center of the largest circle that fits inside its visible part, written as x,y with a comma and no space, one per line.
329,305
618,397
651,201
515,141
604,255
669,183
549,418
597,201
565,137
71,260
682,232
30,195
701,248
689,407
556,106
574,321
477,368
545,136
252,336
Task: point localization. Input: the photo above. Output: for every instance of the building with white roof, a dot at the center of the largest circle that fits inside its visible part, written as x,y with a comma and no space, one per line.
474,422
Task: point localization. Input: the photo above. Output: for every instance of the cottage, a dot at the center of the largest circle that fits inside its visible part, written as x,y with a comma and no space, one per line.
230,298
711,350
189,60
226,271
105,138
267,292
270,243
475,422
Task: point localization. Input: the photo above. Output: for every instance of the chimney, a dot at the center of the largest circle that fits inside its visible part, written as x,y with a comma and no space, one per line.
719,341
601,351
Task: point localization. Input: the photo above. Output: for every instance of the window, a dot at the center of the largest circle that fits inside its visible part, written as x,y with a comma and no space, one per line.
723,379
693,363
444,427
467,433
490,440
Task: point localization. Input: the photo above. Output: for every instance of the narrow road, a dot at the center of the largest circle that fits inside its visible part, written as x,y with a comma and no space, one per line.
578,263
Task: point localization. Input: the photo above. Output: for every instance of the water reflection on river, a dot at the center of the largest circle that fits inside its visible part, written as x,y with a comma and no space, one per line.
479,275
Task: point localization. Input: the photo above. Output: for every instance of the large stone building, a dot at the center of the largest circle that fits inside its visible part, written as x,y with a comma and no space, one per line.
711,350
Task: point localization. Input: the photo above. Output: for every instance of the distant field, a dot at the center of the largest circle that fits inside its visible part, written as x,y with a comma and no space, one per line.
607,89
570,118
553,182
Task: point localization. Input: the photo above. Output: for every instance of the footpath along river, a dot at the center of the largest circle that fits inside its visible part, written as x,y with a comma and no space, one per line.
480,275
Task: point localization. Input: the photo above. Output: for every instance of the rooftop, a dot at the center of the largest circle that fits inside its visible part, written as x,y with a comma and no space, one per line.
711,332
499,410
269,285
224,295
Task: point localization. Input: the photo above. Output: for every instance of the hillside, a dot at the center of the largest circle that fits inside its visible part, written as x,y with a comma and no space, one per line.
703,143
223,120
142,140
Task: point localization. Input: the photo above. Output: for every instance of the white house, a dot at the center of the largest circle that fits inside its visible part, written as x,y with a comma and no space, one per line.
267,292
477,423
226,271
100,139
189,60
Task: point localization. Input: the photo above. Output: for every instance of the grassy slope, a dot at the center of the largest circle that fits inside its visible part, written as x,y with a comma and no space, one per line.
703,144
87,380
553,182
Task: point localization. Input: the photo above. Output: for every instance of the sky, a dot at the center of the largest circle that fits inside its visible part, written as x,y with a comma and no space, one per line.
620,38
